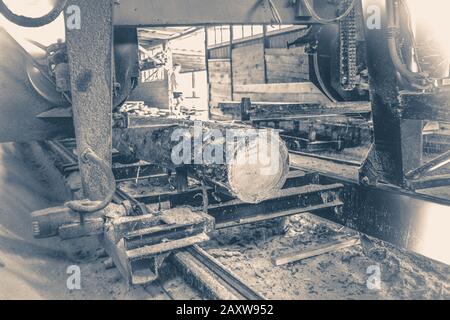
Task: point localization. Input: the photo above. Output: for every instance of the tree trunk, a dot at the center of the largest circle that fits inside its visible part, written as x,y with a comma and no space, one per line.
252,164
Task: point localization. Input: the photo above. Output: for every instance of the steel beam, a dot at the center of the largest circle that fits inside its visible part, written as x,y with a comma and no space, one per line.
293,200
397,142
267,111
91,65
429,167
430,182
426,106
207,12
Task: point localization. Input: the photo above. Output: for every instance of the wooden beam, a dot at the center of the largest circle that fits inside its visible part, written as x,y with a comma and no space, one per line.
316,251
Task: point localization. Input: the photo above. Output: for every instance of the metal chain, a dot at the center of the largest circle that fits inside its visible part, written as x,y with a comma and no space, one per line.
88,206
348,50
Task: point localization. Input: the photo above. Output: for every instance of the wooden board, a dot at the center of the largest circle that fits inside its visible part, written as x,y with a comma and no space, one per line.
283,97
316,251
301,92
154,93
219,73
295,88
248,64
287,65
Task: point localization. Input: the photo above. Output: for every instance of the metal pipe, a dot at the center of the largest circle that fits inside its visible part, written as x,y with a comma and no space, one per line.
415,79
431,166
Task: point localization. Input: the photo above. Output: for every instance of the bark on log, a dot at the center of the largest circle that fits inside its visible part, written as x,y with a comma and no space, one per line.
252,168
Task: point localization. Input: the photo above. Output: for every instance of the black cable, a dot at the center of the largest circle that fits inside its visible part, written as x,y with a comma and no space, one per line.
33,22
417,80
320,19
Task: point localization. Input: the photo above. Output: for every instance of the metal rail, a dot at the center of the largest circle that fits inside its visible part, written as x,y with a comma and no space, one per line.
332,159
224,274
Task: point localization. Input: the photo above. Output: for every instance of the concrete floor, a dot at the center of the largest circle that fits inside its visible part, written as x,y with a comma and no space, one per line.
37,269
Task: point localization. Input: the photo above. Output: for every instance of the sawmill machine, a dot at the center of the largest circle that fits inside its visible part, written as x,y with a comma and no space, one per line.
360,50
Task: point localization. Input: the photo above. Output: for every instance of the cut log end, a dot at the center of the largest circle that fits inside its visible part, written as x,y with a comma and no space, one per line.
258,179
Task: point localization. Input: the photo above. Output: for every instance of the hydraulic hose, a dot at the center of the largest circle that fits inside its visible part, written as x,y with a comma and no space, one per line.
415,79
320,19
33,22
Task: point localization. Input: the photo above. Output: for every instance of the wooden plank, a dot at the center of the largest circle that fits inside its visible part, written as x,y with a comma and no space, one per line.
148,251
287,77
302,76
272,79
220,86
224,65
220,98
219,81
217,78
285,65
217,60
316,251
288,68
248,64
219,69
221,95
287,60
285,51
220,92
284,97
299,87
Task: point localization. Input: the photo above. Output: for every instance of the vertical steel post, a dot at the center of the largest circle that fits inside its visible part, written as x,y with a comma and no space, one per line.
90,49
231,61
397,142
265,46
208,78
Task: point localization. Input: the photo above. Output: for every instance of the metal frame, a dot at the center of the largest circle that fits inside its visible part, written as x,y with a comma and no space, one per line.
398,142
90,52
397,121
